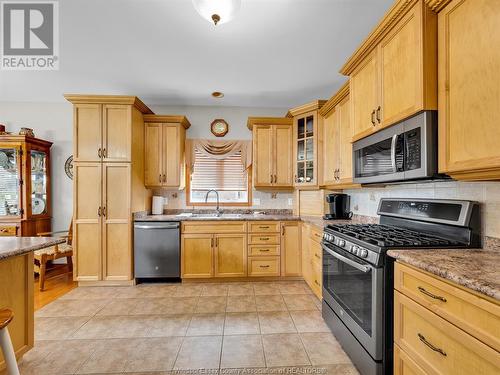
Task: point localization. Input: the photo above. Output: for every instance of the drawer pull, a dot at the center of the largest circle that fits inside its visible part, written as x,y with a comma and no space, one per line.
423,291
264,238
4,230
264,227
436,349
266,266
317,256
264,250
316,282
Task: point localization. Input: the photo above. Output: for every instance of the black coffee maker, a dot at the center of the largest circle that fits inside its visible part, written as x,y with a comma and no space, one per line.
339,205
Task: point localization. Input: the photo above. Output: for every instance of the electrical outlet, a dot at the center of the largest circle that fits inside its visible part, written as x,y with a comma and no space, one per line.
256,201
372,197
290,201
165,201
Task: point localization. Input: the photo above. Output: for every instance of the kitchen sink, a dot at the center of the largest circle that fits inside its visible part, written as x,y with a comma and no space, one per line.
214,215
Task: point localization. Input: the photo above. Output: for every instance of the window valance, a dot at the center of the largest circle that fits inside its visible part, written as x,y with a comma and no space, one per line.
218,149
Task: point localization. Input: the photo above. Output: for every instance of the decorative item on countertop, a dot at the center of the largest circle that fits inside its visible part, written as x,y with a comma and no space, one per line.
219,127
68,167
157,206
2,129
27,131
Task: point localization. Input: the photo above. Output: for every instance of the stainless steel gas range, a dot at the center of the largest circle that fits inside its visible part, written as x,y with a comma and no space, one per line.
358,276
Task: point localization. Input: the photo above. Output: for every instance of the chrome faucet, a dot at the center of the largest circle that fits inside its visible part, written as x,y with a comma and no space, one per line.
219,211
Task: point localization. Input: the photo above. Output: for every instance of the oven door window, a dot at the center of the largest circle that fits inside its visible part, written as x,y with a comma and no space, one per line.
350,287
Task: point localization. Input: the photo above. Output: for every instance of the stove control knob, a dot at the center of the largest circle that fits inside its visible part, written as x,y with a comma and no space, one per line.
341,242
355,249
363,253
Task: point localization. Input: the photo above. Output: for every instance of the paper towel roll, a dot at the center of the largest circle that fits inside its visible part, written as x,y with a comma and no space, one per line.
157,205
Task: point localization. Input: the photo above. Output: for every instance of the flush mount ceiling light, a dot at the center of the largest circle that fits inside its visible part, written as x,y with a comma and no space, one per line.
218,94
217,11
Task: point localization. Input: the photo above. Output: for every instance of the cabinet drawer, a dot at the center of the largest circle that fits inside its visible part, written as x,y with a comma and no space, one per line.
404,365
264,239
438,346
317,278
264,227
8,230
473,314
263,250
214,227
316,234
315,251
264,266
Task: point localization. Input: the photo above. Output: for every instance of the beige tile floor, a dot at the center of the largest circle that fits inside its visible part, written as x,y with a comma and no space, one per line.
174,328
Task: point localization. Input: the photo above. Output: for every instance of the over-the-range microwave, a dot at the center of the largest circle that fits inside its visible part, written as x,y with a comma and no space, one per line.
402,152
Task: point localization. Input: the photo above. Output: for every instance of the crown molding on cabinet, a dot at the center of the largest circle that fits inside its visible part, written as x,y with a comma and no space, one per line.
109,99
334,100
168,118
252,121
308,107
437,5
394,15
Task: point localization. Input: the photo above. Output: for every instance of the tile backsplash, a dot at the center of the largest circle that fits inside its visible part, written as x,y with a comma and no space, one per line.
365,201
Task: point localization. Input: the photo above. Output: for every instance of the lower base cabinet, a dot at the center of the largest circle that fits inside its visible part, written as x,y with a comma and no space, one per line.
230,255
197,256
264,266
312,263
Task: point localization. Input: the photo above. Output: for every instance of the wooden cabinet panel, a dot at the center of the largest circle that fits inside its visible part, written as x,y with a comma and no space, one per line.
283,156
264,239
117,133
117,247
475,315
263,250
8,230
290,249
469,89
197,256
263,155
345,135
214,227
153,166
263,266
364,96
438,346
230,255
316,233
404,365
317,278
306,259
401,69
264,226
87,132
171,155
88,259
331,152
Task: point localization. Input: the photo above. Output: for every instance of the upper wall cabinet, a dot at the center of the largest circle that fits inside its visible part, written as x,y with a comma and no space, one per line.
337,146
272,152
102,127
393,74
307,144
469,88
164,146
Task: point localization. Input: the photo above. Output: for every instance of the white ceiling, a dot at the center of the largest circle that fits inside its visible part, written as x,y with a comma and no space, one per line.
275,53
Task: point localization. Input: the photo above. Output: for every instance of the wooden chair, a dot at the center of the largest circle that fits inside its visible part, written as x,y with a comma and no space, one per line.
64,250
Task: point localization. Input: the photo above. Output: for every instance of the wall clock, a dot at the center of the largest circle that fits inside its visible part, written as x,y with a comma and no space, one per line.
68,167
219,127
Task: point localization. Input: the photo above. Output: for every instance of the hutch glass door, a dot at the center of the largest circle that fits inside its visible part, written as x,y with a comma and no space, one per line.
10,175
38,182
305,149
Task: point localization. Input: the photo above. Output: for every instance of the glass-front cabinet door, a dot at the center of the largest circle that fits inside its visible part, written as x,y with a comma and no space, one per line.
38,188
10,177
306,138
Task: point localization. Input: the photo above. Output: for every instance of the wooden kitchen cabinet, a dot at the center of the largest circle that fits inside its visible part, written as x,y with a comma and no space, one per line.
197,256
230,255
272,152
164,151
291,264
469,89
337,136
312,263
108,185
393,73
307,144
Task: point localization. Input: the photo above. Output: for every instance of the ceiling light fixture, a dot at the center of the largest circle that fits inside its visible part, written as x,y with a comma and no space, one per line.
217,11
218,94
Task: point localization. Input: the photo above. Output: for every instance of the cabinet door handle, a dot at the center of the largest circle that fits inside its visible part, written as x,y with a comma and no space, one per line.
104,153
317,256
104,211
99,211
283,230
164,178
427,293
378,114
212,242
271,179
99,153
435,348
373,117
159,179
316,282
266,266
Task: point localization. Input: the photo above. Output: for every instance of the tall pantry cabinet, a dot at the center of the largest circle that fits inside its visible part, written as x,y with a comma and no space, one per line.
108,186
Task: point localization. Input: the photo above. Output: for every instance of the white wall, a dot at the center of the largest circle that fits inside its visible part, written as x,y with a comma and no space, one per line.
52,122
365,201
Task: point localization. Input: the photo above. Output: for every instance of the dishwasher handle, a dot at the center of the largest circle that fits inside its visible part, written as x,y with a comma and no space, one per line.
164,226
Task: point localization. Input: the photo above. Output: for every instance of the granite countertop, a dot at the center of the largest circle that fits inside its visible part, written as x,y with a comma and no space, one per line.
476,269
356,219
14,246
242,217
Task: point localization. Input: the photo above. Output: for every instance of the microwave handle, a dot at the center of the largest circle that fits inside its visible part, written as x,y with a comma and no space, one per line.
352,263
393,152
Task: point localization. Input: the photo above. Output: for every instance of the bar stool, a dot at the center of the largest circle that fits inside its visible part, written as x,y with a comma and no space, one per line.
6,317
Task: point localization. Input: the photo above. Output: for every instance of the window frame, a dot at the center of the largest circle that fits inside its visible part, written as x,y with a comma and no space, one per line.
221,204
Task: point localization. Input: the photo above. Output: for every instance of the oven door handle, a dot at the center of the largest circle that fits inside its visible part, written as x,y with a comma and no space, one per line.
393,152
360,267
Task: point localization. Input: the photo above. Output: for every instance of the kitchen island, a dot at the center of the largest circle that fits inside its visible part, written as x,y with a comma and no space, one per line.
16,286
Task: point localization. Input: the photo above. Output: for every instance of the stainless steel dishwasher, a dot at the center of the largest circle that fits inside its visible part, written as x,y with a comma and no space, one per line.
156,250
